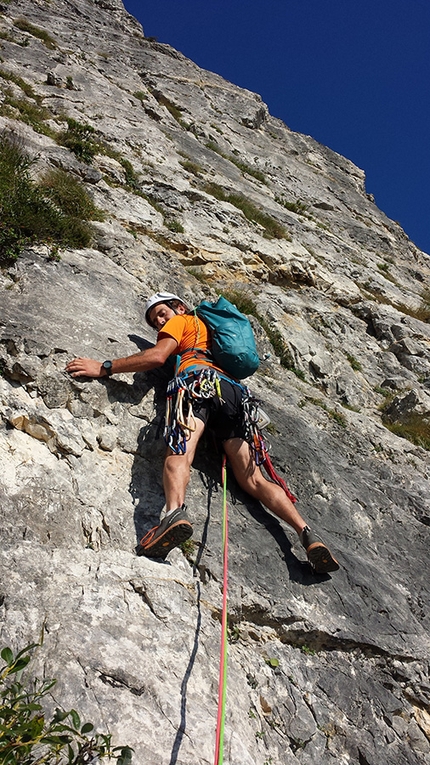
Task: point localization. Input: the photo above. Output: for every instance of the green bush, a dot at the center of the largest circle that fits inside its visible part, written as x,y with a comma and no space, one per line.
25,86
54,211
28,112
30,109
174,225
80,138
243,166
415,428
423,312
69,196
29,736
297,207
175,111
42,34
355,364
192,167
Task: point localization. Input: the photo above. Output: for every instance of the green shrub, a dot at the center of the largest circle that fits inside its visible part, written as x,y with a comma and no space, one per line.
29,736
337,417
192,167
213,147
415,428
384,267
175,111
6,36
131,177
140,95
28,112
355,364
69,195
80,138
25,86
42,34
30,109
423,312
297,207
174,225
54,211
243,166
383,391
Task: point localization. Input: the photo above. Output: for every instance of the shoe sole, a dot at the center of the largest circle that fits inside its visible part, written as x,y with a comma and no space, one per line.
321,559
173,536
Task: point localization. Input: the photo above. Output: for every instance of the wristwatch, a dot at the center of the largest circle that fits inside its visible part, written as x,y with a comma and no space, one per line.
107,366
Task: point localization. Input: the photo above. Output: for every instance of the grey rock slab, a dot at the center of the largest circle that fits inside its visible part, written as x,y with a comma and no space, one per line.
134,643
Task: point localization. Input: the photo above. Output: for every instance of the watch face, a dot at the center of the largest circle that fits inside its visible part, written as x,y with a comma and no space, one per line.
107,365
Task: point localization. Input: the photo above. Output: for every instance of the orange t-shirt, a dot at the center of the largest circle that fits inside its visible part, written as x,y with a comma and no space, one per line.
189,332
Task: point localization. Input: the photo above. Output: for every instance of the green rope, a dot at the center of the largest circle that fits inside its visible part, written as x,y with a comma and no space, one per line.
219,748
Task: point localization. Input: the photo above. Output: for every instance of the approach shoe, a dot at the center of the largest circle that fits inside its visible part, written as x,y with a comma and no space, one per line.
319,556
174,529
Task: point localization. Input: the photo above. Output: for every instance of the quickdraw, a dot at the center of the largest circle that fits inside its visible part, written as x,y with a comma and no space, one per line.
259,447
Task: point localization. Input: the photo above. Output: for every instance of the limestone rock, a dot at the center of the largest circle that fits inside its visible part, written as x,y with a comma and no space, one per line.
205,192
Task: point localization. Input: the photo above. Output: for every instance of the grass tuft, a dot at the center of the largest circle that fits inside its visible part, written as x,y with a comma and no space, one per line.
41,34
54,211
272,228
415,428
80,139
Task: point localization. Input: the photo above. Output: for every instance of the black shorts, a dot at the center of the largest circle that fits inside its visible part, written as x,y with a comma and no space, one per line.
223,417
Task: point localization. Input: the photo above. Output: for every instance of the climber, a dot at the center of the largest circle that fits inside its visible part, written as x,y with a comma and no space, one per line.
200,395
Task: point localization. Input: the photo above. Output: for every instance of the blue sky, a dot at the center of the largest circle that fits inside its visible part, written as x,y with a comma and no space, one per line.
354,75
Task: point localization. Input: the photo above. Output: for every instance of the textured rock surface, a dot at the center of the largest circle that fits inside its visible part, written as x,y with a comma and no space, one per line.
134,643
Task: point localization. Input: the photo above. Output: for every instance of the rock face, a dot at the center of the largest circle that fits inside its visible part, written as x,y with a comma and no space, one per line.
204,191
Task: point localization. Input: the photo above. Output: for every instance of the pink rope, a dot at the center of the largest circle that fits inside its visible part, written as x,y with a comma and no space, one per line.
277,478
219,745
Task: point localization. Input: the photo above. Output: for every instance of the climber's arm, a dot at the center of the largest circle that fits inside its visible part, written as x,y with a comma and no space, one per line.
137,362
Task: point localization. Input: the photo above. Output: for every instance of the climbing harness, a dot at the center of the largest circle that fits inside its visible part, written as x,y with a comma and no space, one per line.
222,688
205,383
181,391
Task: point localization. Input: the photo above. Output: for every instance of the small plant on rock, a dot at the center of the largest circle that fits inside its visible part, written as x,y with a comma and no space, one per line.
355,364
30,736
80,138
271,227
53,211
174,225
42,34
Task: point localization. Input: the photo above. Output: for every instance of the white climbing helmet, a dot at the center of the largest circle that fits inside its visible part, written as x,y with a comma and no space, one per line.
160,297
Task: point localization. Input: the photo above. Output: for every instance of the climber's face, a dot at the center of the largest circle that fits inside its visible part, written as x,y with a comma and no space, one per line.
160,314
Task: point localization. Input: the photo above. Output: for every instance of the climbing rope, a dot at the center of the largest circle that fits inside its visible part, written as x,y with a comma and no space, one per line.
222,688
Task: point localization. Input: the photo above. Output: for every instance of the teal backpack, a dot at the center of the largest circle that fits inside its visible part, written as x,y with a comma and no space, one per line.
233,344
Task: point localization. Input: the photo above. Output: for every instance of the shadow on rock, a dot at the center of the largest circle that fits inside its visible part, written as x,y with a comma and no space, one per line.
299,571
